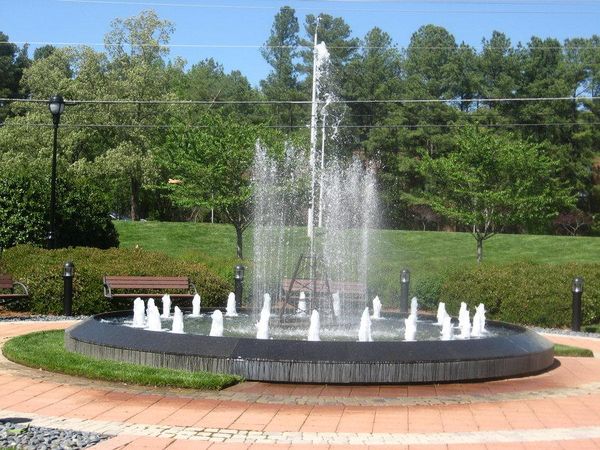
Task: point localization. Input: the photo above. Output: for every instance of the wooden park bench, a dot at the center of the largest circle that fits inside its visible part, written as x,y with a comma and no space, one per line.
352,292
8,284
148,287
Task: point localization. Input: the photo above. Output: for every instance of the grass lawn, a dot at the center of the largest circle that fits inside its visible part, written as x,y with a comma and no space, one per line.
568,350
423,252
45,350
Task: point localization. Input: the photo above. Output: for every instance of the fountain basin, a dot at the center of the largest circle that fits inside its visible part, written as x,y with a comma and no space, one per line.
515,352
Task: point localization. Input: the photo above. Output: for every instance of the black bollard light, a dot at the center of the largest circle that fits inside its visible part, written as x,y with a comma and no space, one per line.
404,284
577,289
68,272
239,278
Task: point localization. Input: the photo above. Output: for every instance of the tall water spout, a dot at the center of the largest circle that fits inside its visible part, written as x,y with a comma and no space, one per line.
315,325
139,313
231,311
177,321
376,308
481,310
166,305
216,328
196,301
302,304
364,332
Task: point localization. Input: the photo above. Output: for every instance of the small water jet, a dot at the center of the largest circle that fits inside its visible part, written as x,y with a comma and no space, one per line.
196,301
139,313
376,308
447,330
231,309
364,331
166,306
414,306
216,328
441,313
177,326
262,327
153,314
410,327
315,325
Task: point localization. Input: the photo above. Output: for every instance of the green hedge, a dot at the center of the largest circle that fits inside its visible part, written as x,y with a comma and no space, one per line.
525,293
41,270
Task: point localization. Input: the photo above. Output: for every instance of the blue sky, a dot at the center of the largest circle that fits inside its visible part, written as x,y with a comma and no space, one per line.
244,22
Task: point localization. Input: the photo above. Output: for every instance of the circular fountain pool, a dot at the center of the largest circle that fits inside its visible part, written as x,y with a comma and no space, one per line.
504,351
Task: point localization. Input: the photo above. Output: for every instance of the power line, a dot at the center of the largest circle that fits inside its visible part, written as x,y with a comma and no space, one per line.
304,102
291,47
386,10
425,125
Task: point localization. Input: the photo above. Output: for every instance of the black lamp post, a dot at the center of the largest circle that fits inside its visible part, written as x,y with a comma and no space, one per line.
56,104
68,273
577,289
239,278
404,284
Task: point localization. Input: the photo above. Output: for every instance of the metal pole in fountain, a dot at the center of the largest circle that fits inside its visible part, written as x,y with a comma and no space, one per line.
577,290
404,284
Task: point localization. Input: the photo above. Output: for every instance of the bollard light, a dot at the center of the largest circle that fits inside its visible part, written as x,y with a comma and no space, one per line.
239,272
68,274
404,286
239,288
56,105
577,290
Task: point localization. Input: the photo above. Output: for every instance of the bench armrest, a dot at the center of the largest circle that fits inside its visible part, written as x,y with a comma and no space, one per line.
193,287
25,291
107,290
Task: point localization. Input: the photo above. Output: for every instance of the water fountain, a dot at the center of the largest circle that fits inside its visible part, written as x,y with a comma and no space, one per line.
166,304
231,308
314,222
376,308
216,328
177,326
196,306
139,313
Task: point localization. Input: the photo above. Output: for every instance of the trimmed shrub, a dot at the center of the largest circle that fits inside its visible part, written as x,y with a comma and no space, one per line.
82,213
42,269
525,293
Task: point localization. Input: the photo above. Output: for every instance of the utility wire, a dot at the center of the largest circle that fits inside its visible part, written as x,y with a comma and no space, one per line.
304,102
385,9
291,47
425,125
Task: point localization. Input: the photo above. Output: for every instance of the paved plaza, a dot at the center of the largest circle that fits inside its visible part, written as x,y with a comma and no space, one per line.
559,409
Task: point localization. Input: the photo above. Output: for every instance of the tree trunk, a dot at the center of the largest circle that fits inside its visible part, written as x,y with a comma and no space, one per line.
479,250
135,195
239,235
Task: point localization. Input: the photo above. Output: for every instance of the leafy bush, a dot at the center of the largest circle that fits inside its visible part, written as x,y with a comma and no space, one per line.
82,214
42,269
525,293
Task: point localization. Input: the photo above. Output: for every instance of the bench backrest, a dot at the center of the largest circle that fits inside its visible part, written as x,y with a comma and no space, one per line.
345,287
134,282
6,281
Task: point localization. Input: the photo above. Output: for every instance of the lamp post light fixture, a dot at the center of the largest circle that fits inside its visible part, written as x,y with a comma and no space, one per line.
404,284
68,273
239,278
577,290
56,104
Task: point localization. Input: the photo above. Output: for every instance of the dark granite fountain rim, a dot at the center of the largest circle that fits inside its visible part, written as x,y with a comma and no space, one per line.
522,343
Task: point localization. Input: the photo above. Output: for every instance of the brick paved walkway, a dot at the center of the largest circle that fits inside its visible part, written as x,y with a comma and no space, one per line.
558,409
